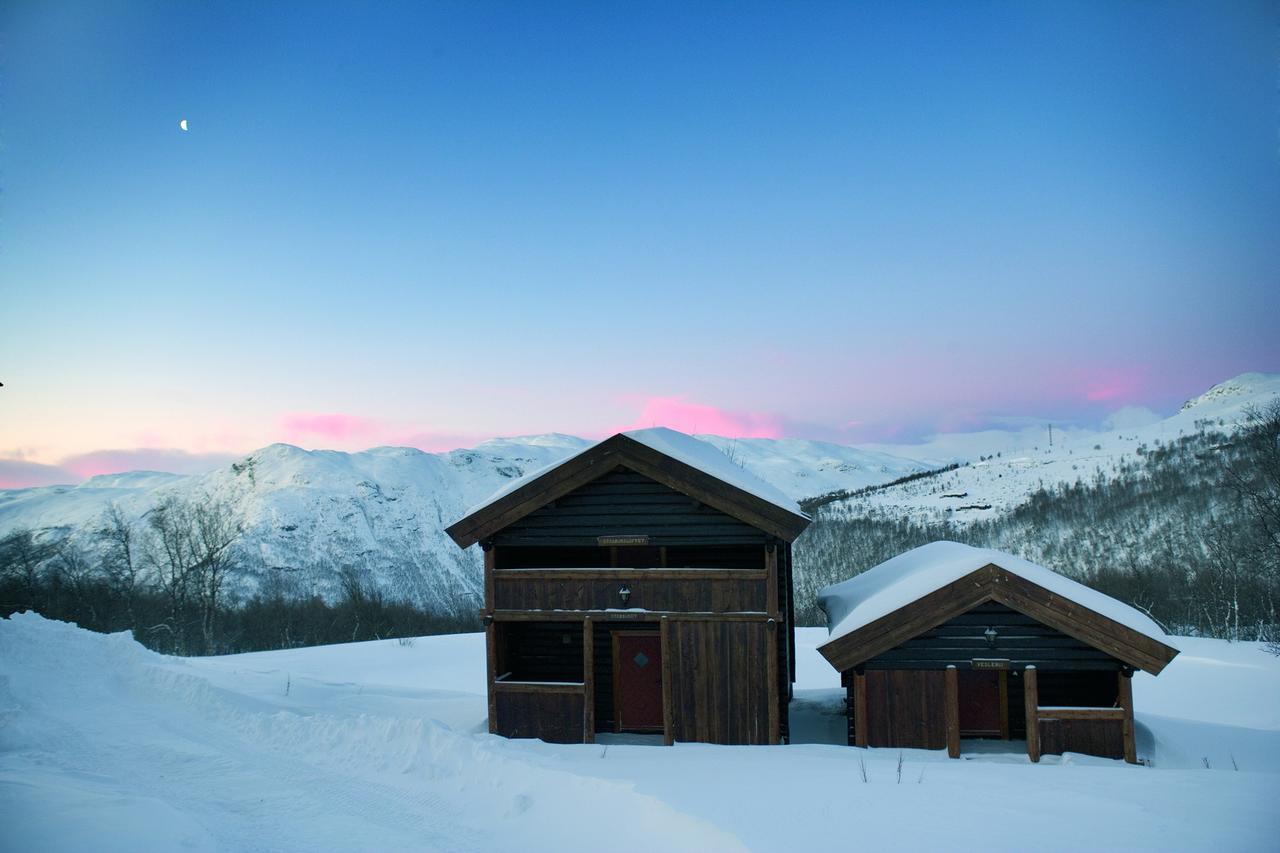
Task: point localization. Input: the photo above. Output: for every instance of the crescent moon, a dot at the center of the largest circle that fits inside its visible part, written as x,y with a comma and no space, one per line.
183,124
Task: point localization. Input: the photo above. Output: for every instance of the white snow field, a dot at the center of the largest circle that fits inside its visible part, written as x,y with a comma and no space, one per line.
382,746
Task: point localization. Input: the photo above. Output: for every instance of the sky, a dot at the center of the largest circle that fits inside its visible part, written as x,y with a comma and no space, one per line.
429,224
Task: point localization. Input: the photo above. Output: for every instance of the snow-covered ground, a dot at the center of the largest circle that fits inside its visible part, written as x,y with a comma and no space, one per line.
382,746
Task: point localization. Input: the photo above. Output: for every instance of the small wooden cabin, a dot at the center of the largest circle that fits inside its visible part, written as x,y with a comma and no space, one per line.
643,585
947,642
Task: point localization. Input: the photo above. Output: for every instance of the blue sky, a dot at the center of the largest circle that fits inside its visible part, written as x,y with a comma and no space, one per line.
435,223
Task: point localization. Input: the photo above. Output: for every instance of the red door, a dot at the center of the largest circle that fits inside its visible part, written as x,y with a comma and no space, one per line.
637,667
979,703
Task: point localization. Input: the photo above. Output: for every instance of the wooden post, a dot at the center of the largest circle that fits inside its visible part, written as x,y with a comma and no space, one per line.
1126,702
771,572
588,682
1031,695
491,650
668,721
771,652
953,712
859,708
490,562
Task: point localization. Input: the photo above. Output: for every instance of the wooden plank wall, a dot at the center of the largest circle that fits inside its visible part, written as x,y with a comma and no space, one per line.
521,592
719,688
904,708
1020,638
556,717
625,503
1091,737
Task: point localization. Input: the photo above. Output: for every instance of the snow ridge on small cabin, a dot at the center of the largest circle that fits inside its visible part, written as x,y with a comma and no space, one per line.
684,448
895,583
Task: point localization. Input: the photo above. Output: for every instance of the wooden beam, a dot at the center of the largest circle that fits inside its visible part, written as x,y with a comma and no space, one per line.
1126,703
1081,713
1004,705
908,621
490,567
491,652
771,575
992,583
1076,620
953,713
631,574
624,616
859,709
1031,703
538,686
621,450
771,655
668,709
588,681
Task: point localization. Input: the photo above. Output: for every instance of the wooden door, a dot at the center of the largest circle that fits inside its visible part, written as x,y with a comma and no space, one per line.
981,699
637,681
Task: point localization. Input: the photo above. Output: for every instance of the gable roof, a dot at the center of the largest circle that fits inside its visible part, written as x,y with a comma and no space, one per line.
908,595
672,458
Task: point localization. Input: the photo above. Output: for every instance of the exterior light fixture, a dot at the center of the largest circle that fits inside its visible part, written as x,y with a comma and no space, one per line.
991,635
624,592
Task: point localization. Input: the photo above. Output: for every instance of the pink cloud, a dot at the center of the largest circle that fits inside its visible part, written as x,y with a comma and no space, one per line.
298,426
21,474
169,459
438,442
680,414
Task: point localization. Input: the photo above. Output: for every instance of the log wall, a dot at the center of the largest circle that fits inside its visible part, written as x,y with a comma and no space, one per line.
717,681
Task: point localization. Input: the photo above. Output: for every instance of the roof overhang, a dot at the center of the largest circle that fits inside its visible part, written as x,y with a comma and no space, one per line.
622,450
992,583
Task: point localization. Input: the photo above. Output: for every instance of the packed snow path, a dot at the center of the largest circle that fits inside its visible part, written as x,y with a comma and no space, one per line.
380,746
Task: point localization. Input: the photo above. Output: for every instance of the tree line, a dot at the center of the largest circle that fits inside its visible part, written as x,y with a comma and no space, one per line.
165,578
1188,532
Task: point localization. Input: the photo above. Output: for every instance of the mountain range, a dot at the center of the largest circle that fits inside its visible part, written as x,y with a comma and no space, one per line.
308,516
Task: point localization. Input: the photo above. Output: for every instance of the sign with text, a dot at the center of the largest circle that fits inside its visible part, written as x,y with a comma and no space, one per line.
607,541
989,663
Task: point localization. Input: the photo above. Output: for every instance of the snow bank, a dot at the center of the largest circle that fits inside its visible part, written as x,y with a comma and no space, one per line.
90,720
684,448
105,745
893,584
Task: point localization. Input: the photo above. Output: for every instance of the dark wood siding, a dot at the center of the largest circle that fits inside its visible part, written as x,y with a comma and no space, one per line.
1020,638
719,681
624,503
1091,737
699,596
905,708
553,717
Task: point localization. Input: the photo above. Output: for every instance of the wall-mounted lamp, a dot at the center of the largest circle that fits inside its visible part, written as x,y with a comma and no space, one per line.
991,635
624,592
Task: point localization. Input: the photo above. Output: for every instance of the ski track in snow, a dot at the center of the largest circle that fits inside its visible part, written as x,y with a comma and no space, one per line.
380,746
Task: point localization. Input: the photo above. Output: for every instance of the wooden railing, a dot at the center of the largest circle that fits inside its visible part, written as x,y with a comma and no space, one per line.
1120,716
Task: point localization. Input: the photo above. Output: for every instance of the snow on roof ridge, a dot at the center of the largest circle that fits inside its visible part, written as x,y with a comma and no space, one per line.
883,589
684,448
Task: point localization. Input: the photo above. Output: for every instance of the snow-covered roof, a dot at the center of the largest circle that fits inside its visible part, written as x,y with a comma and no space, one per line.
895,583
683,448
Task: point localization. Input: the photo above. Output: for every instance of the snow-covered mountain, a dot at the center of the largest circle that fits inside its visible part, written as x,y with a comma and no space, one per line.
308,515
1016,464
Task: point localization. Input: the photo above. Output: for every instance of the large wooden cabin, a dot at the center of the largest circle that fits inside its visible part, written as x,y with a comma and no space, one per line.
947,642
643,585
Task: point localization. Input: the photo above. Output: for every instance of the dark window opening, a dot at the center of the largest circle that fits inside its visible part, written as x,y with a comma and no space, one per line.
540,651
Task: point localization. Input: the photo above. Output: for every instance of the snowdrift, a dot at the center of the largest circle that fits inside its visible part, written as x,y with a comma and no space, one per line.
107,746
